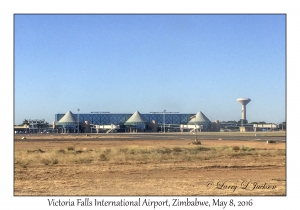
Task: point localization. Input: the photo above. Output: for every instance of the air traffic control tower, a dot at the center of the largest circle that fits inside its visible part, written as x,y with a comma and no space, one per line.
244,102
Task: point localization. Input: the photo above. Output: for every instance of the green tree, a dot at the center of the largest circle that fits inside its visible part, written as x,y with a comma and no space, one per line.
39,126
25,122
45,125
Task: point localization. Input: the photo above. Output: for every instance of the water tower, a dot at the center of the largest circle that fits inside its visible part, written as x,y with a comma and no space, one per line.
244,102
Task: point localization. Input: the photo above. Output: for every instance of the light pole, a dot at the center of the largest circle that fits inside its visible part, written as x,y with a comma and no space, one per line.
164,119
195,130
78,121
164,122
242,130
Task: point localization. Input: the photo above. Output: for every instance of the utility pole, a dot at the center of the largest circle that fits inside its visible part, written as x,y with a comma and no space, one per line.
196,140
78,121
164,121
164,118
242,123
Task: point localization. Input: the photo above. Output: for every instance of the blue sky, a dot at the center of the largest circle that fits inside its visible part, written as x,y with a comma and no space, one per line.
146,63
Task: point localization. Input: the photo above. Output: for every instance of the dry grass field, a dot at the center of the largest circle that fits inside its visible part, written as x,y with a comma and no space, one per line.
149,167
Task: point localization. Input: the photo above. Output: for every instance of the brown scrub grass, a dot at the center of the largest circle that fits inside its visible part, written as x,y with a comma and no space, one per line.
147,167
73,155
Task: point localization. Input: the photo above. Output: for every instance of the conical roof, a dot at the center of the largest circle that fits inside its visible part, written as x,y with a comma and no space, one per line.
199,119
67,119
135,119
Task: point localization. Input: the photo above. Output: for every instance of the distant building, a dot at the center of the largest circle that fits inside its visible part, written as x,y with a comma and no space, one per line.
153,121
68,123
37,125
21,128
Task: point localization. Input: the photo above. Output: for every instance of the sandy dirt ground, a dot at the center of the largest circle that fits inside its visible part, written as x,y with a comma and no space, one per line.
238,175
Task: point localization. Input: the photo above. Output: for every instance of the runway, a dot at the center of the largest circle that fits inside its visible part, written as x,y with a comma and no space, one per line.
250,136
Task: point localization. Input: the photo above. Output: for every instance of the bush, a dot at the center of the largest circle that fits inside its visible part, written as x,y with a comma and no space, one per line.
124,150
246,149
177,149
203,149
79,151
106,151
103,157
164,151
235,148
36,150
61,151
145,151
70,148
49,161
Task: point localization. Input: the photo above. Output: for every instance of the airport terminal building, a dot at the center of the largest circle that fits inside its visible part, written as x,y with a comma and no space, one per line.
108,118
125,122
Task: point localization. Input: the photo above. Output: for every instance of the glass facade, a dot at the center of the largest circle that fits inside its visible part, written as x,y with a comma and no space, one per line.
118,119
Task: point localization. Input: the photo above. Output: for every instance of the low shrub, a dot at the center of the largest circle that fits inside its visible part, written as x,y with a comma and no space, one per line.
177,149
163,151
235,148
35,151
79,151
103,157
71,148
246,149
61,151
124,150
49,161
106,151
